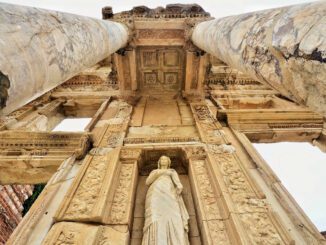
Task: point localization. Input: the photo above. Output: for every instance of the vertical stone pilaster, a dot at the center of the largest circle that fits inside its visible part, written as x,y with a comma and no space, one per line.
36,223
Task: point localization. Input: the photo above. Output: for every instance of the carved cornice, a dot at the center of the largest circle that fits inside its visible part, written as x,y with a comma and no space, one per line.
40,143
84,146
276,118
195,152
170,11
130,153
159,140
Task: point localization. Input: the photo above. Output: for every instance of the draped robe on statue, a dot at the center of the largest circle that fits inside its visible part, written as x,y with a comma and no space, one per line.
166,217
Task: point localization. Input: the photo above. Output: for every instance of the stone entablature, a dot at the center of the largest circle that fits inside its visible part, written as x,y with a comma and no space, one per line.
35,156
171,11
159,105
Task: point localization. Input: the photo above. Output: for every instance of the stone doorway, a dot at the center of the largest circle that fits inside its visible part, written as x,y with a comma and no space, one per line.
148,163
161,69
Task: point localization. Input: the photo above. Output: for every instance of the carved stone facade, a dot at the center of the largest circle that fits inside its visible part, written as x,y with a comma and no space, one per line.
160,95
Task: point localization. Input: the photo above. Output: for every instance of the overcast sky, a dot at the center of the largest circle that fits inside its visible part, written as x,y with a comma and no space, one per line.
93,8
300,166
302,169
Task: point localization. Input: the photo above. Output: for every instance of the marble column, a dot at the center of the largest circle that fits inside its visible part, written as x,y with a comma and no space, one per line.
40,49
283,47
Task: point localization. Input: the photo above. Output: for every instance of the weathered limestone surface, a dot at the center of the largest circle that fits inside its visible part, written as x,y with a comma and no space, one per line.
283,47
150,105
41,49
40,217
79,233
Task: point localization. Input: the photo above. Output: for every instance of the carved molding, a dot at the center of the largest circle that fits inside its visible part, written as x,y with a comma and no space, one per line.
122,202
102,192
213,227
159,140
83,234
245,199
89,193
208,127
43,141
33,157
170,11
130,153
159,34
195,152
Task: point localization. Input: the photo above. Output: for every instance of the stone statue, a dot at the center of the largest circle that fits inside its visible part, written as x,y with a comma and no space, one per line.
166,216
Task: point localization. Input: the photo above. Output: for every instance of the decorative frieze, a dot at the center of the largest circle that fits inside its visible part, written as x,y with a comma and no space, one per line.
114,129
208,127
245,199
160,34
130,153
41,140
170,11
261,229
213,227
121,207
88,196
195,152
83,234
207,194
147,140
103,191
33,157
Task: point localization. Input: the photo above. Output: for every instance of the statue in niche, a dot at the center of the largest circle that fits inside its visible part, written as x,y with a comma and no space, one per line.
166,216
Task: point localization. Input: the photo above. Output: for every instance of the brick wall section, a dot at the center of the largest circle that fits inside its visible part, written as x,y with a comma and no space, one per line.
12,198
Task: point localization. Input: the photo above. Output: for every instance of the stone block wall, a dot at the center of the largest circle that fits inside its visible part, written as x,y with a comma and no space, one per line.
12,198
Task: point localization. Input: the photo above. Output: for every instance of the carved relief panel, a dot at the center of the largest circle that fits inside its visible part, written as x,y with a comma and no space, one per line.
84,234
208,127
161,68
102,192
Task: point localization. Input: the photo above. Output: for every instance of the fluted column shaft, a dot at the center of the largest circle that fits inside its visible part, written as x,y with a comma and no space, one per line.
283,47
40,49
